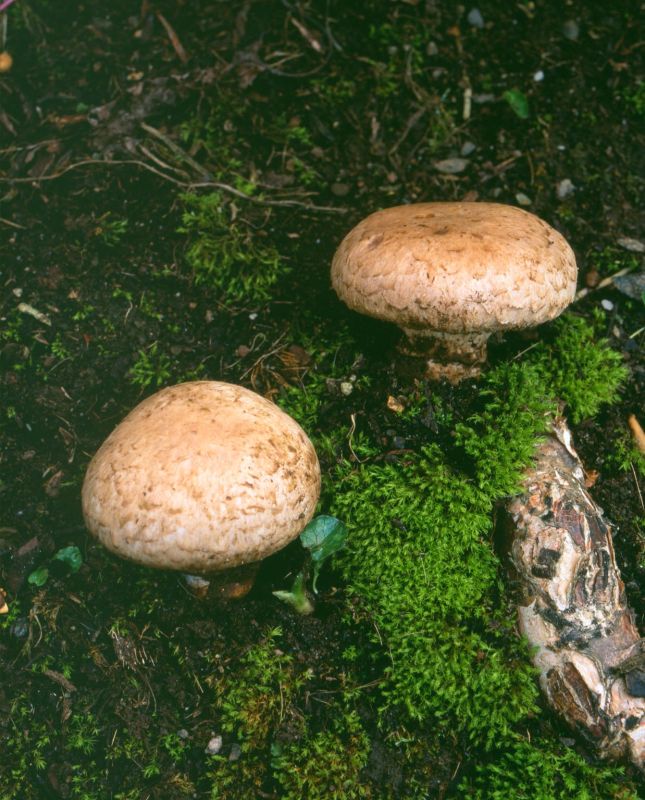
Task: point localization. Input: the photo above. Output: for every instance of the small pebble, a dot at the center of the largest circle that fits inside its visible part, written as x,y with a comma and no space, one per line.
538,76
183,733
236,752
340,189
20,628
632,285
607,305
215,745
253,316
431,49
592,278
571,30
634,245
565,188
346,388
451,166
475,18
467,148
17,292
523,199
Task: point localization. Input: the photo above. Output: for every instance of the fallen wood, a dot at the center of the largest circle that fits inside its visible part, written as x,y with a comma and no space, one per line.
573,609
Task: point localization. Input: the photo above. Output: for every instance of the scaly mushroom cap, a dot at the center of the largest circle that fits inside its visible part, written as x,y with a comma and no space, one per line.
455,267
201,477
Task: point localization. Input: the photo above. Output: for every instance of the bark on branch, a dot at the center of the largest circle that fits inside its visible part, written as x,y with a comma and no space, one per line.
589,653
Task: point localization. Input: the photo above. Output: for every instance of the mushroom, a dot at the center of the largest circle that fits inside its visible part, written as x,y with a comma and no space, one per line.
203,477
450,274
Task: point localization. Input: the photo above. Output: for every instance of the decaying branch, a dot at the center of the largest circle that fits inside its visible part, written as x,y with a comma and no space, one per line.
573,611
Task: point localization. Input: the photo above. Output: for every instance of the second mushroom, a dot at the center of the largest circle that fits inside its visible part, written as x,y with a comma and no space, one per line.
450,274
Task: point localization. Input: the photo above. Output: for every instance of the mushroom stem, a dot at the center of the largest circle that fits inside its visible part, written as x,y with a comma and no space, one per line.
230,584
454,356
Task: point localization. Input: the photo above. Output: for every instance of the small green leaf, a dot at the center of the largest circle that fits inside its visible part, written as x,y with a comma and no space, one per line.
323,537
71,556
39,576
518,102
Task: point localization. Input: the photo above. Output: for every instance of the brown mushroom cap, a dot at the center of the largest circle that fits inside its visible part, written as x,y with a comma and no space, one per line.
455,267
201,477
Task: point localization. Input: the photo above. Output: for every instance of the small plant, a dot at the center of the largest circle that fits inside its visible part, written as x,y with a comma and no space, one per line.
83,733
322,537
253,700
58,349
25,747
151,368
111,230
634,98
610,260
69,556
225,255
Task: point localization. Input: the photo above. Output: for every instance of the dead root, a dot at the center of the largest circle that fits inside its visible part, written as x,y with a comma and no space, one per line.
573,609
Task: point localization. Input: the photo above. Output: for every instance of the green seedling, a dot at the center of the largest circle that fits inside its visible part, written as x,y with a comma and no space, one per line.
322,537
297,597
71,556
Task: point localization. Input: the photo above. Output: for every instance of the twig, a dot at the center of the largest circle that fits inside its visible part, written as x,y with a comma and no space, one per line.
638,488
12,224
275,348
149,154
174,39
603,283
260,201
176,149
184,184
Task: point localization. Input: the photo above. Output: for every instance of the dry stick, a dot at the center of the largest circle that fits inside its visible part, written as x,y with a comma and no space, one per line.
573,611
174,39
603,283
184,184
175,148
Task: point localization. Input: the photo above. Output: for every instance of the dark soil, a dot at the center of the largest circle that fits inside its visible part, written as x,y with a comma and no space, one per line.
331,110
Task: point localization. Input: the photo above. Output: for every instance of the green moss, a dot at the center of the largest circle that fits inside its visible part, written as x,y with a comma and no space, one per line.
252,701
253,704
258,701
325,764
580,369
25,748
419,556
225,255
540,770
320,388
